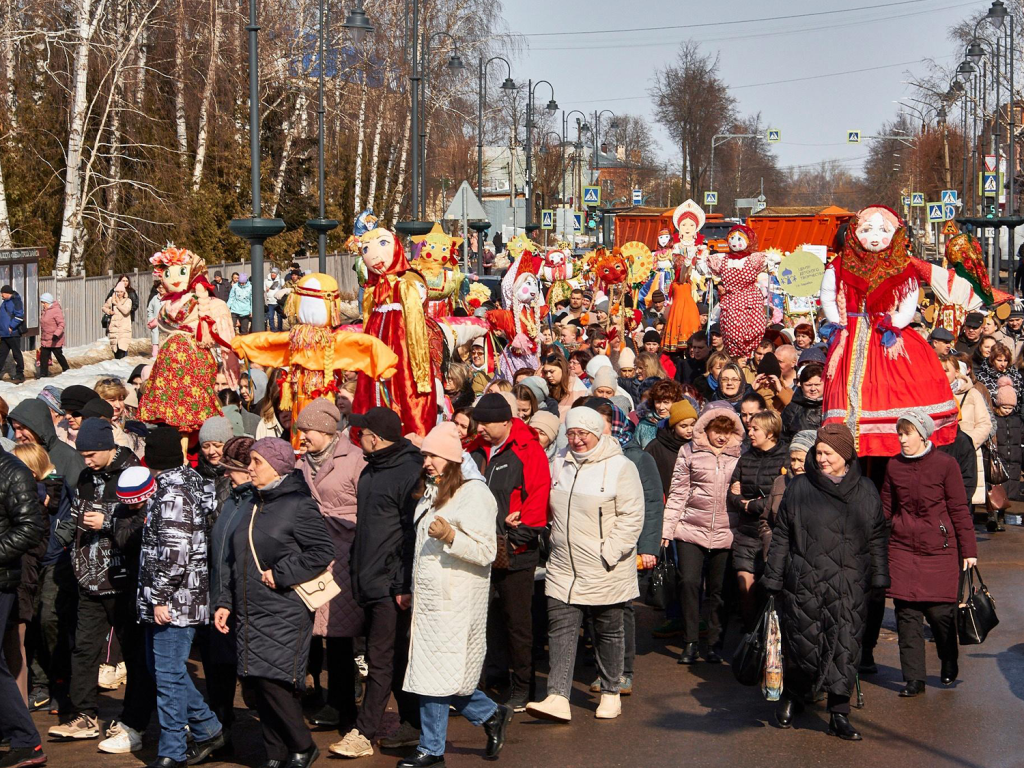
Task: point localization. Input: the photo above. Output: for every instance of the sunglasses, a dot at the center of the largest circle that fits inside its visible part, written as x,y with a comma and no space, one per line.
112,381
551,359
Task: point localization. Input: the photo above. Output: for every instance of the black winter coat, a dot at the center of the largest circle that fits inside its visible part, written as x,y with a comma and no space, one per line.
35,415
21,521
665,449
828,551
1009,432
962,449
756,472
649,542
800,414
385,542
273,626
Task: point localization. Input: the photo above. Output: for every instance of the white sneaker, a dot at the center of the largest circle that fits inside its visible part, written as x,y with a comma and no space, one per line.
609,708
554,707
361,665
353,745
105,679
120,740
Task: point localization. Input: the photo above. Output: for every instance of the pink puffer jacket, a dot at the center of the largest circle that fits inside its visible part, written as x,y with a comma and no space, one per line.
51,326
695,510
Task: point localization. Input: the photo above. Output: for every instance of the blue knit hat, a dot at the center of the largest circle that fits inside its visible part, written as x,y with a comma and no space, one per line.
95,434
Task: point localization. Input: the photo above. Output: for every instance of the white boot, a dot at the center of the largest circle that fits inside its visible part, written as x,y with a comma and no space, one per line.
554,707
609,708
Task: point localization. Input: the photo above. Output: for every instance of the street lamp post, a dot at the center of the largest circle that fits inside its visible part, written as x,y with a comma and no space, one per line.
455,64
552,106
614,124
508,85
255,229
565,138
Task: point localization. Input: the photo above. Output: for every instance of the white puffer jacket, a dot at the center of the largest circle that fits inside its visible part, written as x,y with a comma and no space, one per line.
597,513
450,588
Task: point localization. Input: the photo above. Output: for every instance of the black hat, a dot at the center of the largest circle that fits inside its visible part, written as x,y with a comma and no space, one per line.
97,408
383,422
715,329
702,309
492,408
941,334
6,289
137,372
652,335
163,448
74,398
769,365
974,320
95,435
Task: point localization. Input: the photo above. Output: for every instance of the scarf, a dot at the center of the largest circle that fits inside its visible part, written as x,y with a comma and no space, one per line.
317,459
883,278
582,456
647,428
667,437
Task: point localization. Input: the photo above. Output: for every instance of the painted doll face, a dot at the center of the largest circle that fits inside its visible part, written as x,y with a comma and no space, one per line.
379,251
664,240
175,278
687,229
527,289
875,232
737,242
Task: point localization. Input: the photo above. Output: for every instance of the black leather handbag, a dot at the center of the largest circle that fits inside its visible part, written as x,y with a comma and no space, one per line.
661,585
748,659
976,613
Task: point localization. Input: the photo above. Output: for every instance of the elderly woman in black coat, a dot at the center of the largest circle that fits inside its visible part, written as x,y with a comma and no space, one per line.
828,552
289,545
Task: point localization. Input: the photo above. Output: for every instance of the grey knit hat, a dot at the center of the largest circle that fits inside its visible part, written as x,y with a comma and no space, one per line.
803,440
216,429
921,421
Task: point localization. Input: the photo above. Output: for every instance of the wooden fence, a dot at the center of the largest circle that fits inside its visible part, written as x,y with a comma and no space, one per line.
82,298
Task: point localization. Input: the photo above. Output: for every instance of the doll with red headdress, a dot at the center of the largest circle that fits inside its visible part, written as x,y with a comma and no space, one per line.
743,318
664,270
876,370
520,321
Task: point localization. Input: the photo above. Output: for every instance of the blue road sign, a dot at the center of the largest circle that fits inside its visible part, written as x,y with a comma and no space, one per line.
917,199
949,196
948,211
638,197
905,201
547,219
710,198
989,183
774,135
577,222
936,213
591,195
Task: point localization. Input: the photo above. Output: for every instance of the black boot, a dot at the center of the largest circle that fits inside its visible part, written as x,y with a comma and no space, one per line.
867,664
912,688
689,655
950,670
839,725
993,525
302,759
421,760
787,709
495,727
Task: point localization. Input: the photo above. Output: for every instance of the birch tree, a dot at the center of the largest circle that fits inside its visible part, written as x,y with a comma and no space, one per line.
205,103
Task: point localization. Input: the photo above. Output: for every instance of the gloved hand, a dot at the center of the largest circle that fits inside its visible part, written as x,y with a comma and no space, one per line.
442,530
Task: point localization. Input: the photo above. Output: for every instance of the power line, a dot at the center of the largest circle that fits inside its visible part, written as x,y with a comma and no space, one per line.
730,22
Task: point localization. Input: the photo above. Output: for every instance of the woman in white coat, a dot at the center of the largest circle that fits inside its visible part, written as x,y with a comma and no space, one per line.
451,582
597,513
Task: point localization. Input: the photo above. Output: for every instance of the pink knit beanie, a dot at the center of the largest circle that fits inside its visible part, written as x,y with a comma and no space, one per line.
443,440
1005,393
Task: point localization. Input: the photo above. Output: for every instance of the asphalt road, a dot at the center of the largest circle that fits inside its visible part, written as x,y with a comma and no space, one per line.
700,716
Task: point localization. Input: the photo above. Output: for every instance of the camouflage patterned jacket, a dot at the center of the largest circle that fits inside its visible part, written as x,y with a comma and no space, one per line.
173,567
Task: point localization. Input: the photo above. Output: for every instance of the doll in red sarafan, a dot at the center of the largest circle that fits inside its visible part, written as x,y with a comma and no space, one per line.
876,371
743,318
520,321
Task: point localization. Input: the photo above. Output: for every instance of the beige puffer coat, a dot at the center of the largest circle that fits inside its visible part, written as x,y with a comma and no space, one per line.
119,332
597,513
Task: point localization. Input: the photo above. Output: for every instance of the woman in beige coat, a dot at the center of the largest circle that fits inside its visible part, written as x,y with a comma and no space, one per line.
119,308
975,413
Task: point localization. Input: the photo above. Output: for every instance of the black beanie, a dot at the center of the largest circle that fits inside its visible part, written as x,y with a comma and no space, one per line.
97,408
163,448
74,397
652,335
769,365
95,435
491,409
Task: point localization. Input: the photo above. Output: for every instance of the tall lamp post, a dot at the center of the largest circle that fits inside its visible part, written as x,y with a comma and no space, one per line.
455,64
581,127
507,86
552,106
614,125
255,229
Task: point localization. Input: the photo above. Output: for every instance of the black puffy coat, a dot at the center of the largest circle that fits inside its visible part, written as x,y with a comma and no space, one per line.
665,449
1009,431
756,472
828,551
274,626
21,521
800,414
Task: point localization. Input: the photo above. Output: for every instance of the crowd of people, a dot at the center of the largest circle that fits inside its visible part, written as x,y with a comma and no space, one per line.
528,518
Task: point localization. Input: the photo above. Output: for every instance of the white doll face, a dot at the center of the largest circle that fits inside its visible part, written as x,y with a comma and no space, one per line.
175,278
378,251
664,240
527,290
687,229
737,242
875,232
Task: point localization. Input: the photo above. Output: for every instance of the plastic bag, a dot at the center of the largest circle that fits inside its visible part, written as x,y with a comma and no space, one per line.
771,682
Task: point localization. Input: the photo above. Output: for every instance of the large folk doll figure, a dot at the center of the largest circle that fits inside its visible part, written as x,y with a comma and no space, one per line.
520,321
664,269
743,317
192,322
876,370
393,312
438,262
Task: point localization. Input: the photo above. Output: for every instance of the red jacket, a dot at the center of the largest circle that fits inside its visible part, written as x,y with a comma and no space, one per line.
520,479
932,530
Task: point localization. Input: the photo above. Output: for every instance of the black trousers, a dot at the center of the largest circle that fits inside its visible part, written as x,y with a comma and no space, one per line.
217,652
514,591
387,656
12,344
340,661
44,359
873,624
691,574
798,687
910,618
96,617
51,635
280,709
15,721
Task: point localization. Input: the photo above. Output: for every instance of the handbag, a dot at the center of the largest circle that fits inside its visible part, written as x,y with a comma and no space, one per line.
105,322
975,616
661,585
748,659
996,498
316,592
995,470
501,561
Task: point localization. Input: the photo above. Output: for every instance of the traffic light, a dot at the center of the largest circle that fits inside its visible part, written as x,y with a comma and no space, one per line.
593,220
991,212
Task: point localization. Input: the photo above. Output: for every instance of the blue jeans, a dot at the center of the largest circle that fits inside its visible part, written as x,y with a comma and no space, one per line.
178,703
275,317
477,708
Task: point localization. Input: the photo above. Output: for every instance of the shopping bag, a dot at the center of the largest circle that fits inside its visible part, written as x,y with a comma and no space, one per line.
771,683
748,658
976,613
661,587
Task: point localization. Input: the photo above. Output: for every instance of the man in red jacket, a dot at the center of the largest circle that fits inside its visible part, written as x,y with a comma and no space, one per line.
516,470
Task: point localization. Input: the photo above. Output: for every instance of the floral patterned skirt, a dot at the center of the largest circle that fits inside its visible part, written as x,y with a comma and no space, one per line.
181,389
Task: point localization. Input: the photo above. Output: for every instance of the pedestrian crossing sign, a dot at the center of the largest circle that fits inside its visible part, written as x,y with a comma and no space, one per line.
591,195
577,221
949,196
936,213
710,198
774,136
917,199
989,183
547,219
853,137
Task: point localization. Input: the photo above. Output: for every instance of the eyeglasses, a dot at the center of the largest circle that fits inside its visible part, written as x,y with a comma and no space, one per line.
729,380
577,435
